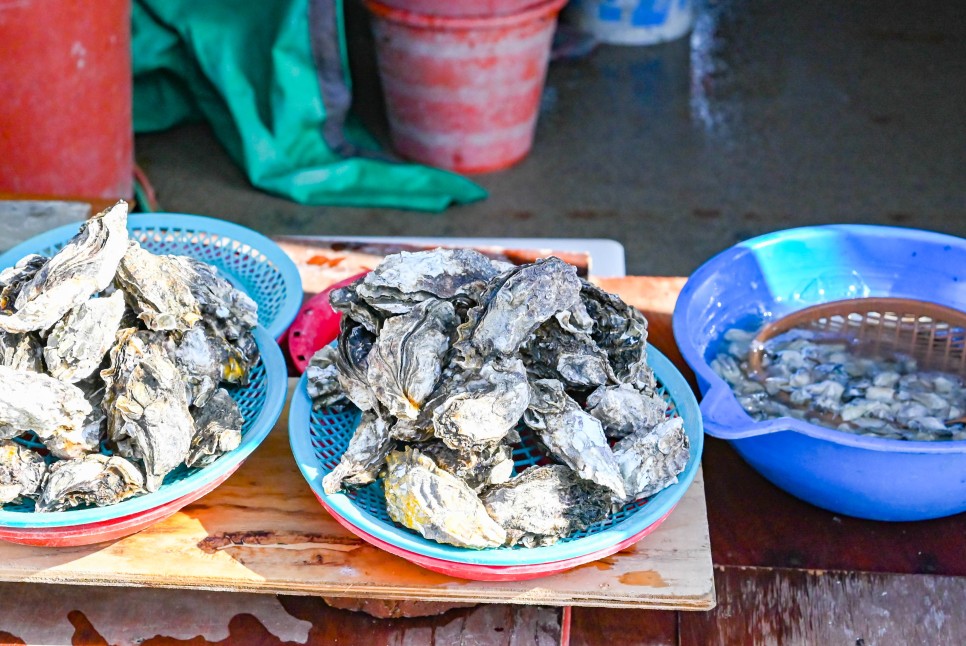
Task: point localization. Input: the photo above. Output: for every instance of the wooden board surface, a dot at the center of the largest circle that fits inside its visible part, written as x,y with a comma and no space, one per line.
263,531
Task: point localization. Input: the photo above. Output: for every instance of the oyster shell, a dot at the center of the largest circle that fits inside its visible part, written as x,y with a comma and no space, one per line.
623,409
21,472
572,436
92,480
650,460
544,504
478,408
147,405
514,304
22,351
77,343
205,359
347,300
352,359
85,266
322,379
231,311
572,356
218,429
402,280
54,410
620,331
406,359
477,468
13,279
159,288
438,505
364,457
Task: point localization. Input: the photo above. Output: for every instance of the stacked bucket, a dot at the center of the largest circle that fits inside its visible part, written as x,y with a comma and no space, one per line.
463,78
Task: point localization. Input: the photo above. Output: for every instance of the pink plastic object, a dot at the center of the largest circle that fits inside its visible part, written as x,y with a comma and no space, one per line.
463,8
65,115
316,325
110,530
494,572
463,93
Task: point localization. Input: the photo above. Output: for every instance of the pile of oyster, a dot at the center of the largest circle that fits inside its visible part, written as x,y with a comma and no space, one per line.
451,356
823,381
112,361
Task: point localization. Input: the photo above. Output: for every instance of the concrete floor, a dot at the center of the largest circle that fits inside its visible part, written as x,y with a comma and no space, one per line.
772,114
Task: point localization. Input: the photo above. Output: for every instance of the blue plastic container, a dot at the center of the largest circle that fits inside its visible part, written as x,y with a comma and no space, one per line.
775,274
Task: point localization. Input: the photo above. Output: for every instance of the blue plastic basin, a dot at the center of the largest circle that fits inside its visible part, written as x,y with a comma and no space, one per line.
772,275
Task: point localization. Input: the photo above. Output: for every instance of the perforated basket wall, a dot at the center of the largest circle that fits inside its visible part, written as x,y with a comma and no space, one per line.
261,402
319,438
252,262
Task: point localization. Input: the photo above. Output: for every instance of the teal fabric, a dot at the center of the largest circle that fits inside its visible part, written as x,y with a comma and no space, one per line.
250,70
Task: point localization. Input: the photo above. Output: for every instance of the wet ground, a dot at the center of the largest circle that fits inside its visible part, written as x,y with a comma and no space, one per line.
771,114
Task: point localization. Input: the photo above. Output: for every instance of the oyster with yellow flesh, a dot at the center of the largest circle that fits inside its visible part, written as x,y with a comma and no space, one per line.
78,343
651,460
364,457
218,429
544,504
22,470
92,480
513,305
572,436
407,358
147,405
405,279
54,410
85,266
623,409
437,504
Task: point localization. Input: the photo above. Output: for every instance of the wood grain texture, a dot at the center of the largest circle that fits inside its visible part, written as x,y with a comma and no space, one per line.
263,531
762,606
595,626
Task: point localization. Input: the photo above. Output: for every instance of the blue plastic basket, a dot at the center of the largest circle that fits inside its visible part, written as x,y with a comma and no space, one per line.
261,403
319,438
767,277
252,262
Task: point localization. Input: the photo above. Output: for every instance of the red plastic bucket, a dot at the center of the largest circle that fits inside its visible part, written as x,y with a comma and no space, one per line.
65,113
463,93
464,8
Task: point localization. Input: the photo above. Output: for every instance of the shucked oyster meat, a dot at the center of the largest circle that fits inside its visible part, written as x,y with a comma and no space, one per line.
85,266
449,354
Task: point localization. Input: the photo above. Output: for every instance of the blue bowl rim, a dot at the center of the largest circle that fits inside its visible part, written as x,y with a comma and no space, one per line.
720,394
263,244
657,506
276,390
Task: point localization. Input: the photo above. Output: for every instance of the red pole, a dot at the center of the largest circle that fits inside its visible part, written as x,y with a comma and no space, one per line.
65,98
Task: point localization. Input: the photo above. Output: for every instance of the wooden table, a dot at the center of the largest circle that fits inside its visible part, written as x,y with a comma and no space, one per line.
785,572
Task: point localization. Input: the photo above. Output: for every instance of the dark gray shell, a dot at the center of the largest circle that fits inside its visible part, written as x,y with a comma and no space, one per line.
651,460
78,343
544,504
572,356
624,410
572,436
355,345
218,429
620,331
21,472
83,267
159,289
322,379
347,301
147,405
22,351
406,360
364,457
13,279
92,480
477,468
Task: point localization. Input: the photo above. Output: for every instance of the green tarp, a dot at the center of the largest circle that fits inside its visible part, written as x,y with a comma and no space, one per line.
271,77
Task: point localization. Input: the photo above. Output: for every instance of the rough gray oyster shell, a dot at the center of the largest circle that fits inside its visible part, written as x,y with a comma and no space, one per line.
650,460
437,504
477,468
13,279
402,280
22,470
624,410
92,480
406,359
544,504
513,305
346,300
322,379
85,266
54,410
22,351
205,359
572,436
364,457
158,287
570,355
218,429
78,343
352,359
147,405
620,331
